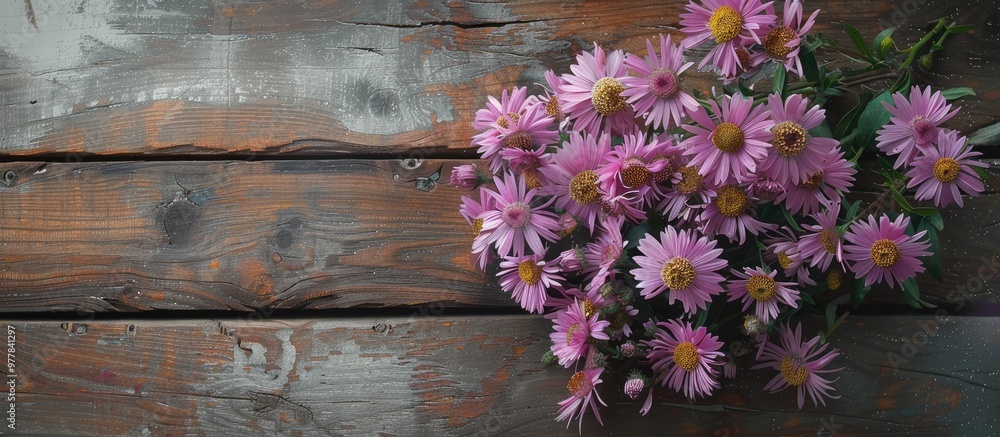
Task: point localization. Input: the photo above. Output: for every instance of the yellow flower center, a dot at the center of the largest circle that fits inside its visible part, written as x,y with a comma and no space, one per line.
761,288
725,24
789,138
607,96
531,178
477,226
583,187
834,279
520,140
572,330
795,374
830,240
884,253
579,384
529,272
690,180
776,40
946,170
686,356
727,137
634,173
589,308
784,260
744,56
502,121
553,109
813,182
678,273
731,201
665,174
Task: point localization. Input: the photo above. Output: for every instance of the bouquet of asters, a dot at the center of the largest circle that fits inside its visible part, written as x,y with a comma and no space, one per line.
647,220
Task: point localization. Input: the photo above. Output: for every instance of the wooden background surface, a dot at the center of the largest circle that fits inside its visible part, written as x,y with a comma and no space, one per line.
210,225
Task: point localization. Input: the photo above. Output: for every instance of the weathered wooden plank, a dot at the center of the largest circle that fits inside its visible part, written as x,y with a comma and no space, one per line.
112,77
462,376
131,236
234,235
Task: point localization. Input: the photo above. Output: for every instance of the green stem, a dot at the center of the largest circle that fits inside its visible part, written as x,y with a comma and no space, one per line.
941,24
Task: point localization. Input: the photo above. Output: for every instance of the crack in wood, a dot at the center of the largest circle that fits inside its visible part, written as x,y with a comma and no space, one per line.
460,25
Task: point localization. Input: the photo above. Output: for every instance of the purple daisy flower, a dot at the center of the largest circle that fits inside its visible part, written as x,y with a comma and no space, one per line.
686,359
501,113
726,22
514,222
553,108
946,171
881,251
472,210
601,255
729,151
527,278
757,287
631,166
822,244
731,213
573,177
686,183
531,130
782,43
582,387
914,123
795,154
575,327
592,94
819,188
681,263
655,92
800,364
785,249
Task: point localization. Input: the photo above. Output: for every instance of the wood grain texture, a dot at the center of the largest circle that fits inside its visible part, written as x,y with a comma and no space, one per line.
133,236
180,77
234,235
463,376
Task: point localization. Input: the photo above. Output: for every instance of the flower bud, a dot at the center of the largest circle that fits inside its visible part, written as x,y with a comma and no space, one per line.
634,387
567,223
571,260
465,176
627,350
927,61
548,358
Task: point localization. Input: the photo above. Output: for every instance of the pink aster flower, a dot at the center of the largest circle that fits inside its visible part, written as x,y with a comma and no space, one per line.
631,166
686,359
592,94
782,43
822,244
465,176
574,328
881,251
796,154
686,183
785,248
757,287
529,131
944,172
730,150
819,188
514,222
732,214
527,278
472,210
727,22
550,101
601,255
655,90
682,263
582,387
573,178
501,113
800,364
914,123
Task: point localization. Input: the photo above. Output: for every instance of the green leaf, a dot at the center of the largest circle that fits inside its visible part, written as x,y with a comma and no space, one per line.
859,292
911,293
933,261
791,220
807,298
780,84
636,233
923,211
703,316
960,28
987,136
955,93
823,130
936,220
983,174
871,120
746,91
831,309
877,43
902,82
810,68
859,42
850,120
853,209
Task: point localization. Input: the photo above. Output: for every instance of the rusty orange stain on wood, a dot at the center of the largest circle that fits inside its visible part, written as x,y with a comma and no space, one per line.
214,264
